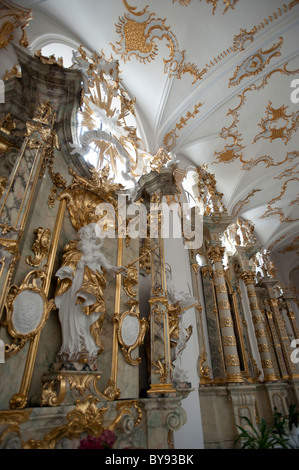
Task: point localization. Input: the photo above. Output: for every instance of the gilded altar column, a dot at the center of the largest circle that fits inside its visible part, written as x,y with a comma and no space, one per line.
161,367
232,362
269,283
248,277
152,187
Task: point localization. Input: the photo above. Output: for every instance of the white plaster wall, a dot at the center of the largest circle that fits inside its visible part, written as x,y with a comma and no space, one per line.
190,436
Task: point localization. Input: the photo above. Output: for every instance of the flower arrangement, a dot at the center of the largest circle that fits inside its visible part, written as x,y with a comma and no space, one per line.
105,441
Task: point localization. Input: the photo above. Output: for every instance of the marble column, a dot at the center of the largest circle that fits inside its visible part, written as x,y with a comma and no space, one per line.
232,362
282,370
268,284
287,297
248,277
213,327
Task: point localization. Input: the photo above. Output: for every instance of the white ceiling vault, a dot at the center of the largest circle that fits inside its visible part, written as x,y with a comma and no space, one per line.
215,84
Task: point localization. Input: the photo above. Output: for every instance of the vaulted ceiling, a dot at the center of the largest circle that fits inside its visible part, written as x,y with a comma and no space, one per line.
215,84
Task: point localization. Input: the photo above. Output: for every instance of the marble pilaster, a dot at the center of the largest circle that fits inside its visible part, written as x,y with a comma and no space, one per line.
248,277
284,341
229,342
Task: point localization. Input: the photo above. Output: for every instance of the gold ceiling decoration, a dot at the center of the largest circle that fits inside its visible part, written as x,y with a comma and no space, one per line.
278,240
291,275
269,161
270,129
234,151
12,17
240,204
240,39
244,35
171,137
294,246
139,30
278,210
228,4
256,62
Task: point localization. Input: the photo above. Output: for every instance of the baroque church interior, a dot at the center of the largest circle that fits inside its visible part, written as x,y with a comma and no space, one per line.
149,270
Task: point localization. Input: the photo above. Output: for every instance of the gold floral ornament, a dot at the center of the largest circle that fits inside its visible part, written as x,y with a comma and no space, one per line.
7,126
139,31
40,247
161,369
270,129
13,17
255,63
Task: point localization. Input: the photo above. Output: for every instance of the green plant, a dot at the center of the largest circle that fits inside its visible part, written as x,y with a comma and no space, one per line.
279,423
293,417
261,436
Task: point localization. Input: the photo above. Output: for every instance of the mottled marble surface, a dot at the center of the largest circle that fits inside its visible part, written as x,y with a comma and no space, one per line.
143,424
213,329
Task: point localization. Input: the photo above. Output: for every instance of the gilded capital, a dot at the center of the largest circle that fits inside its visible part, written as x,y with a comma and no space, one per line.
248,277
215,253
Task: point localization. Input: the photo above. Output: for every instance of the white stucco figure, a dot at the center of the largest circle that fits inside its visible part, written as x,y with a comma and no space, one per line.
80,298
185,300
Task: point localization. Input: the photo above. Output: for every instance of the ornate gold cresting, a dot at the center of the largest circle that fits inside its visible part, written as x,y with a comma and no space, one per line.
48,60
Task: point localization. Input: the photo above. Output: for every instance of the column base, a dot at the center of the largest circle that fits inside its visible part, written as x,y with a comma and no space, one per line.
234,378
161,388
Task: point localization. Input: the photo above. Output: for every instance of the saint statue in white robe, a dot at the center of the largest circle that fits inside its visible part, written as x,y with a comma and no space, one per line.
80,299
